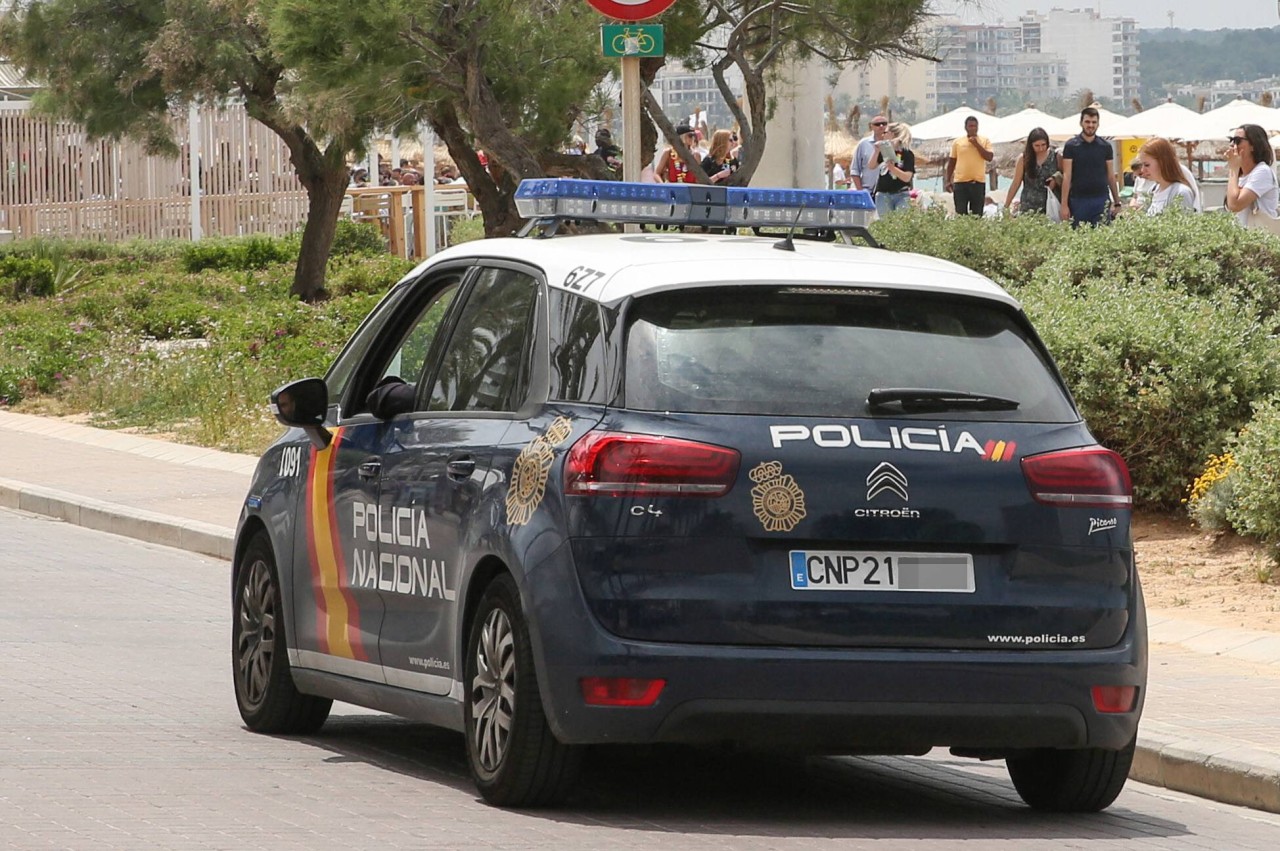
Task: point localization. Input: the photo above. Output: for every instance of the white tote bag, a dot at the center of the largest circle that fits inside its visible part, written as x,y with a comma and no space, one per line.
1260,220
1053,207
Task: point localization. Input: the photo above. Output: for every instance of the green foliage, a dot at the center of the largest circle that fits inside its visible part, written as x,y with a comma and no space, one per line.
26,276
193,354
1176,57
368,275
1005,250
244,252
1162,376
465,230
361,238
1256,507
1204,255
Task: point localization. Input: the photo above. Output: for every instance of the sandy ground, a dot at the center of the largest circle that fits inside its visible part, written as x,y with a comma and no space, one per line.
1215,578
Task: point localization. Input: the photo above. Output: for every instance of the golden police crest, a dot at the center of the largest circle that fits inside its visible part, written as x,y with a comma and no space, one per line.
776,499
529,473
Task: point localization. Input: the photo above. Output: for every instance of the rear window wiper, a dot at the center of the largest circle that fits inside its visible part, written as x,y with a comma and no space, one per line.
913,400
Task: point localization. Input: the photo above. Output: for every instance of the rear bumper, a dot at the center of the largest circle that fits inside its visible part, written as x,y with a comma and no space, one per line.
825,700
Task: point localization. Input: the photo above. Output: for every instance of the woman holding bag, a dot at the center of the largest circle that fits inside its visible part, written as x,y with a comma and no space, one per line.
1036,167
1251,184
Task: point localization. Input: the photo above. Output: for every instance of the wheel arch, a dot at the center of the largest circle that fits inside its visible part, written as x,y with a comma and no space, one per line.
488,568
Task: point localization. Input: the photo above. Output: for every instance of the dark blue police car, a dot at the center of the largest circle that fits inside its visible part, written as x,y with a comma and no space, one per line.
697,487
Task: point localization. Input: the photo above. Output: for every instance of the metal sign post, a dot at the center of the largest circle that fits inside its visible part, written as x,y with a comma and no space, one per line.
631,43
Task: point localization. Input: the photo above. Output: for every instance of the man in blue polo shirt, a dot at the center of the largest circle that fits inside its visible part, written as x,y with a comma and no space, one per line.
1088,174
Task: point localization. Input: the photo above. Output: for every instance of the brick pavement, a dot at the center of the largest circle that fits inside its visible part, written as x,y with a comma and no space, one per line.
1212,720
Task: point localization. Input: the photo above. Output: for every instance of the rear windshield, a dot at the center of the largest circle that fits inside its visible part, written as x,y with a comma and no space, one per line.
819,352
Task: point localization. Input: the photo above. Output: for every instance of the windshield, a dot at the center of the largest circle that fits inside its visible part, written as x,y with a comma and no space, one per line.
821,352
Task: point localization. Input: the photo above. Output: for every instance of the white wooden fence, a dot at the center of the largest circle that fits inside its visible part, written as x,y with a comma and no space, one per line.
54,181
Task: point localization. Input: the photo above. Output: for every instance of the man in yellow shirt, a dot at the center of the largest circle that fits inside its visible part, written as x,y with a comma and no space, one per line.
966,176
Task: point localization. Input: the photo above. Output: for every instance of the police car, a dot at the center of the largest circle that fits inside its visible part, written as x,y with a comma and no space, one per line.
697,487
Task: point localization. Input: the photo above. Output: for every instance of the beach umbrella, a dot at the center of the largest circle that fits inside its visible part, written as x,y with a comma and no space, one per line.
1170,121
950,125
1241,111
1016,127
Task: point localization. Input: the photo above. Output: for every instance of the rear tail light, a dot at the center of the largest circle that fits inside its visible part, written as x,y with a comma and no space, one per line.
1111,699
620,691
617,464
1087,477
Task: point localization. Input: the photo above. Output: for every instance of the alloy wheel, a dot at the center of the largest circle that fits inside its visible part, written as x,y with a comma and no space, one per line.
256,641
493,690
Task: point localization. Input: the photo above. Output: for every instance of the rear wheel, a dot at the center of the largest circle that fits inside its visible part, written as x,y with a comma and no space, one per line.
516,761
268,700
1071,781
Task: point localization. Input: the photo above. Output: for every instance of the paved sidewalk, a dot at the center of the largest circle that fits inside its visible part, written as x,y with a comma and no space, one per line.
1212,720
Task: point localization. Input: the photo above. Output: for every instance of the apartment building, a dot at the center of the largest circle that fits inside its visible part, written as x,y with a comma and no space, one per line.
1101,53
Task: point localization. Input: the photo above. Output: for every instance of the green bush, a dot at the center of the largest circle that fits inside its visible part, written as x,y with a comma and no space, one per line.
369,275
1006,250
1255,507
240,253
1162,377
26,276
1203,254
466,230
357,238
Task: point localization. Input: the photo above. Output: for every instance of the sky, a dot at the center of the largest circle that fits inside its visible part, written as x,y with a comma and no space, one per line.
1150,14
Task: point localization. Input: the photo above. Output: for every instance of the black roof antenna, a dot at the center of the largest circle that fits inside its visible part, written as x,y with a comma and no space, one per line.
787,243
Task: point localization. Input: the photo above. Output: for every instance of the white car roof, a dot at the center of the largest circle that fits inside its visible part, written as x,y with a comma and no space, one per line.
611,267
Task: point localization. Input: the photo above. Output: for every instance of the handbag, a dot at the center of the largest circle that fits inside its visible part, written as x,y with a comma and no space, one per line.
1258,219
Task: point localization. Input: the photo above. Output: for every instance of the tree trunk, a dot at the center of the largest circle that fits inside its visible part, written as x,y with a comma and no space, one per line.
324,201
323,173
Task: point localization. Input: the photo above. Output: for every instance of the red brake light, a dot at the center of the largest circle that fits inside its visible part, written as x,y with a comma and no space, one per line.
616,464
1114,698
620,691
1085,477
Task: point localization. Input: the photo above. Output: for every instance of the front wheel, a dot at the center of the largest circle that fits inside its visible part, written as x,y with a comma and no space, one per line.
515,759
268,700
1071,781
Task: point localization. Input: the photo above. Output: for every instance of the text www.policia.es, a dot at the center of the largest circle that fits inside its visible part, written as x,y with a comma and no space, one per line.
1044,638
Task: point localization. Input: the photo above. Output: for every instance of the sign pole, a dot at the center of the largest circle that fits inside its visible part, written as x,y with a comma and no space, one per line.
631,118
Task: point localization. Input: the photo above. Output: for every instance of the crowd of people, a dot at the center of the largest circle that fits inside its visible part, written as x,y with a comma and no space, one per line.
1078,183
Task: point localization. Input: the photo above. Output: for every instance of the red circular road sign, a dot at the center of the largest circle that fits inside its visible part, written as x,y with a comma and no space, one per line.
631,10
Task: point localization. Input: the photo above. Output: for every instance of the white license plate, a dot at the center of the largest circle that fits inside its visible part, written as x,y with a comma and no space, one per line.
843,570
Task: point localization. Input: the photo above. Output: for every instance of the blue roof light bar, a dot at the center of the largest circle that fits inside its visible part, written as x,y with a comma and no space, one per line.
692,204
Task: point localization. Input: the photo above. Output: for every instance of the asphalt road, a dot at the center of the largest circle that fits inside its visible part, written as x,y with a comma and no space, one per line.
119,730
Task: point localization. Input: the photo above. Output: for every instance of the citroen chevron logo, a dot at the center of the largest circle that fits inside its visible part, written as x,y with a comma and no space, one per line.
886,477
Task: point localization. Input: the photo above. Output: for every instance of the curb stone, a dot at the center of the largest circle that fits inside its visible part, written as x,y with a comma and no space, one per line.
203,538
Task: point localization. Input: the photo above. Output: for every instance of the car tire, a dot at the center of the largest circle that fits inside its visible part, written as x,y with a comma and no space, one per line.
515,759
1071,781
268,700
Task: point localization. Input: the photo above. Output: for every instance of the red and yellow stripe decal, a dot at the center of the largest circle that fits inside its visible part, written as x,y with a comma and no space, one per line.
337,618
999,450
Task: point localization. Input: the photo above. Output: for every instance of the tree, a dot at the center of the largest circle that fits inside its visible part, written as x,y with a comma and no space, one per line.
508,78
121,67
758,37
512,78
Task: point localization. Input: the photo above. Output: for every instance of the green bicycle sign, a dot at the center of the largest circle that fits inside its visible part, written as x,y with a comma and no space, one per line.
631,40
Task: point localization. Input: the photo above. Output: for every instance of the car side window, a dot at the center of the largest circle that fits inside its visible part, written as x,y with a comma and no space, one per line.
485,365
577,349
410,358
400,355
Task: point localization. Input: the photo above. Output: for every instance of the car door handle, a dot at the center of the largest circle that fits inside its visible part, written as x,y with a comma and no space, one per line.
370,469
461,467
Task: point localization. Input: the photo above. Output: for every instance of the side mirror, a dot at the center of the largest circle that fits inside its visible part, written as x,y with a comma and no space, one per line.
304,404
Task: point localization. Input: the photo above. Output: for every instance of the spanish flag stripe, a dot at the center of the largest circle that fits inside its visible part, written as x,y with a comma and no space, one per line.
313,557
323,529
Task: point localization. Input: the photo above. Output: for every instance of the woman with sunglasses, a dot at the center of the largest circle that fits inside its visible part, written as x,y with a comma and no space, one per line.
1251,184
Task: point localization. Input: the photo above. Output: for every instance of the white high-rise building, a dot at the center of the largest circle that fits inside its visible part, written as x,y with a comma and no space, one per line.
1101,53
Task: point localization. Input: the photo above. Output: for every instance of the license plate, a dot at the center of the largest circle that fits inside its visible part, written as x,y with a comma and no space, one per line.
832,570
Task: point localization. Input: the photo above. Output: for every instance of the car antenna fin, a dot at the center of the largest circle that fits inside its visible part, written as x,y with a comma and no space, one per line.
787,243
